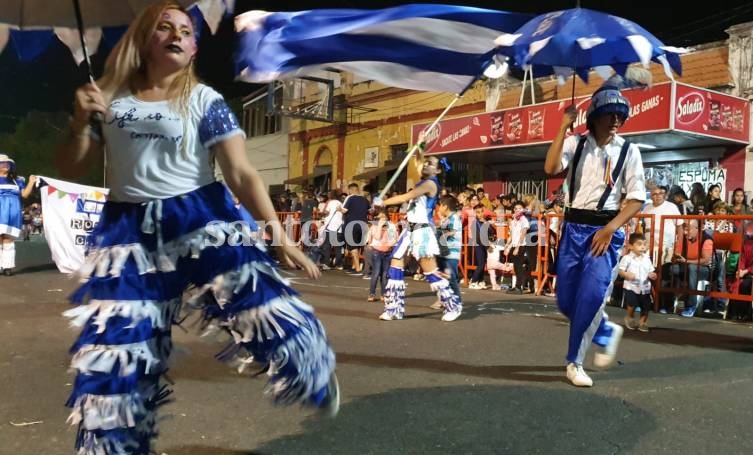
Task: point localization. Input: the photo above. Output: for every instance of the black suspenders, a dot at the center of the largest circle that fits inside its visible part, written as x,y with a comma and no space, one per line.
615,173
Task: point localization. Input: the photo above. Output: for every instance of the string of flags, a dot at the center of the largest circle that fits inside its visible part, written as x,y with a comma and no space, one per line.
29,43
60,194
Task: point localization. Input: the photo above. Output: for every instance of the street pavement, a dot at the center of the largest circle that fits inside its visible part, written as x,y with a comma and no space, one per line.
491,382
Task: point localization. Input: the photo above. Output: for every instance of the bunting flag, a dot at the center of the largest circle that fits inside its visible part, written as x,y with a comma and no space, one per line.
426,47
31,40
70,212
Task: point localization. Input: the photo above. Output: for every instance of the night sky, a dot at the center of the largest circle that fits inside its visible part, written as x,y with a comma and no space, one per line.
47,84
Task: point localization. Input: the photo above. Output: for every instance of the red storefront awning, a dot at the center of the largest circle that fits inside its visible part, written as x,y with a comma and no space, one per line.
667,116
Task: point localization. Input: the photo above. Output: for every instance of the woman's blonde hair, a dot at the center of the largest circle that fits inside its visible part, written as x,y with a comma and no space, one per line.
531,199
127,59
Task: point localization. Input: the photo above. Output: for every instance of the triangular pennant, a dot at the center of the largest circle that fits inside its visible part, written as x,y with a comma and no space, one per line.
30,44
583,73
675,62
665,64
4,34
61,194
111,35
50,189
71,38
620,68
198,19
73,196
212,12
604,71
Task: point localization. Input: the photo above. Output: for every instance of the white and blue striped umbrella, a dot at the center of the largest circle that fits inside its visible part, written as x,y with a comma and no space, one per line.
425,47
581,39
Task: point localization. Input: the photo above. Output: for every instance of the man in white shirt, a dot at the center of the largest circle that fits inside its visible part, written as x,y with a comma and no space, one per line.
333,222
659,207
602,166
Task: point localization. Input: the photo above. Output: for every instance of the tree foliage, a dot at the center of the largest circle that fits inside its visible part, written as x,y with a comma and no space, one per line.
33,142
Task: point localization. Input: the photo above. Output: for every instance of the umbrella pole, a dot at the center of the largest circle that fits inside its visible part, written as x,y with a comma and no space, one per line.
572,95
533,95
572,100
523,88
80,23
96,117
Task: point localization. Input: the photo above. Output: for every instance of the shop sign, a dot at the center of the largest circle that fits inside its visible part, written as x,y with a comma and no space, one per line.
696,110
710,113
539,123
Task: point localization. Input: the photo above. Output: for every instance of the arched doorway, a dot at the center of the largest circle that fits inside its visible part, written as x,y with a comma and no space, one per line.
322,172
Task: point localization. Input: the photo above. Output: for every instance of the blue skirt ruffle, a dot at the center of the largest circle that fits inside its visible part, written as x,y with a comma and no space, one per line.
141,261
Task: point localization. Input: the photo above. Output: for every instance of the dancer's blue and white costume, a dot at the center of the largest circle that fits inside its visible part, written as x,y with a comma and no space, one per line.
596,179
10,206
11,219
418,239
168,226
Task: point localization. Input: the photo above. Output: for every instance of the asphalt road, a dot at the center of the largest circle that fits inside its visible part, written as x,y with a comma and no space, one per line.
490,383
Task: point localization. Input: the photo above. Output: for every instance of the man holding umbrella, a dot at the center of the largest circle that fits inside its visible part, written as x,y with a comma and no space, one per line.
602,165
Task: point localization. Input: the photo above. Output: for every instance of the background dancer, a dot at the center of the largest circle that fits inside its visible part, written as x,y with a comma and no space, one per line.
602,165
12,189
163,229
419,240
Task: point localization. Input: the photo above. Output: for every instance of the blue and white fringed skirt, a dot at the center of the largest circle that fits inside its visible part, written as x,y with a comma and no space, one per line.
142,259
10,213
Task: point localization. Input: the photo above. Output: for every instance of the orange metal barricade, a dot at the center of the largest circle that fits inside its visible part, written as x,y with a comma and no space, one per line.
542,273
728,242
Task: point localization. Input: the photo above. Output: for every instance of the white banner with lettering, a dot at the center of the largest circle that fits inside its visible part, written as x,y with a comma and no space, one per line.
70,212
687,175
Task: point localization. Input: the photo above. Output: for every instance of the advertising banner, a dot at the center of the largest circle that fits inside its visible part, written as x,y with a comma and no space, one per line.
651,110
710,113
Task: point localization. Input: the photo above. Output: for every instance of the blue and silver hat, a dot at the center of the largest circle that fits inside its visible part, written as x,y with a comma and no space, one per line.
608,100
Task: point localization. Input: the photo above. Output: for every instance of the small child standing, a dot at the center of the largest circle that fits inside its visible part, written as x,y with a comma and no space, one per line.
478,229
637,270
494,264
450,242
381,238
515,247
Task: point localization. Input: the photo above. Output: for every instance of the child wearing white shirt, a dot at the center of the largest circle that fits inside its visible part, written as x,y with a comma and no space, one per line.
637,270
495,264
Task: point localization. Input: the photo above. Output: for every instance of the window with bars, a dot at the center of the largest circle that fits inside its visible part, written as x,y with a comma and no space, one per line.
397,152
457,177
257,118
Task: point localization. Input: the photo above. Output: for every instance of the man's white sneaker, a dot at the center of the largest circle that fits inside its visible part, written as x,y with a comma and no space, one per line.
607,358
450,316
389,317
577,376
436,305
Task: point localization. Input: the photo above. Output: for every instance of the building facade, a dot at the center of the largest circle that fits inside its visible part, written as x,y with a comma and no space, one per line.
372,126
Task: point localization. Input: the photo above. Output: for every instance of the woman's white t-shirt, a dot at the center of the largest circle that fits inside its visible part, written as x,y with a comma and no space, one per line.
147,154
